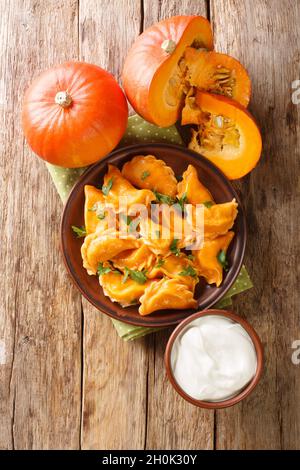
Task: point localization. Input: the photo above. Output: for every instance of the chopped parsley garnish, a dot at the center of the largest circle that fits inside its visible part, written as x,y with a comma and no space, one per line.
157,233
134,224
99,212
106,188
103,270
137,276
163,198
188,271
101,215
173,247
221,257
80,231
145,175
160,263
208,204
191,257
182,200
106,269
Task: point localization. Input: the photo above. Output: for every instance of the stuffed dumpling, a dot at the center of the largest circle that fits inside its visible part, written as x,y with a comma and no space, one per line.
166,294
96,215
153,237
148,172
100,247
175,267
219,218
192,189
210,260
125,293
116,186
138,258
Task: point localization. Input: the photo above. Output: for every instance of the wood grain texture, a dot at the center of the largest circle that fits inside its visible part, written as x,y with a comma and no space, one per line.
66,379
40,313
115,373
172,423
265,36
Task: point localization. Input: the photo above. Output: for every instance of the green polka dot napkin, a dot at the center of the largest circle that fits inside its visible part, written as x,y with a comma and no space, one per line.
140,131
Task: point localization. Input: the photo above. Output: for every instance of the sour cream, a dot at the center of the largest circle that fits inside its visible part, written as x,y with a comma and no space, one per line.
213,358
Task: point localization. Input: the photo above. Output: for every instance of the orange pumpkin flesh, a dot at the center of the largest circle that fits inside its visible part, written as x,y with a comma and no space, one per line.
226,134
74,114
171,71
153,76
217,73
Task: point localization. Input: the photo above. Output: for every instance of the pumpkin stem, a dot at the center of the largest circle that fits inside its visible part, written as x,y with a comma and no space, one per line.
63,99
168,46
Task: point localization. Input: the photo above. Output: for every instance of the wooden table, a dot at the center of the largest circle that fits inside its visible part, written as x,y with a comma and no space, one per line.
67,380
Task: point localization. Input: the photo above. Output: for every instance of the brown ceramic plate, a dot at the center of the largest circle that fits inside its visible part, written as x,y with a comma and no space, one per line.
177,158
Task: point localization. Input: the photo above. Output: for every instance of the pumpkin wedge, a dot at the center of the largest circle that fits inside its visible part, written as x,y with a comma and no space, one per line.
226,133
153,74
217,73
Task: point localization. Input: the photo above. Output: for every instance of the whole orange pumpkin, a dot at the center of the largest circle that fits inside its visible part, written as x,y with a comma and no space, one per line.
74,114
152,76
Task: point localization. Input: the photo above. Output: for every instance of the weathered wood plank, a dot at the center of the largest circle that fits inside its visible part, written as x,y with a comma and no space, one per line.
115,373
156,11
265,36
40,313
172,423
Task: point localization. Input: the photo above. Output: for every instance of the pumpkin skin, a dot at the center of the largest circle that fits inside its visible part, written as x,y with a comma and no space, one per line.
148,67
77,133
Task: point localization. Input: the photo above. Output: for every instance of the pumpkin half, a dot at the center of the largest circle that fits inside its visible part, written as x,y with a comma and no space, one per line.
226,133
153,74
74,114
171,72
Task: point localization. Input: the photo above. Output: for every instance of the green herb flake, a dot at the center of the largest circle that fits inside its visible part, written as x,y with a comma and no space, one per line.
208,204
221,257
173,247
106,188
126,275
125,218
160,263
93,208
103,270
80,231
101,215
145,175
134,225
157,234
137,276
188,271
182,200
163,198
191,257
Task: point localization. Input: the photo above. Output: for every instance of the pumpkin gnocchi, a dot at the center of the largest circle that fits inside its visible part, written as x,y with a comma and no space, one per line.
149,259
